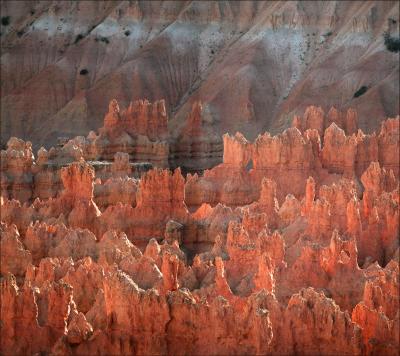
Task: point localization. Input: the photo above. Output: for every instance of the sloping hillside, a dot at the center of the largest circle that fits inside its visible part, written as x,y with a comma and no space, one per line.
253,64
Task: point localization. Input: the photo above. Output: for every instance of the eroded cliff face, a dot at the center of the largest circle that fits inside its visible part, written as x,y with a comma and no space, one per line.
197,146
239,192
255,64
290,245
289,159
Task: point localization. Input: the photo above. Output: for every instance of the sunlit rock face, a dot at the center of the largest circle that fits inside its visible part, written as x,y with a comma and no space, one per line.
199,178
287,246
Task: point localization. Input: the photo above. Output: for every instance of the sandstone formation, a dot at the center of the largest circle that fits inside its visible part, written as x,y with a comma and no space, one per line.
302,153
290,245
199,178
271,244
290,158
197,146
140,130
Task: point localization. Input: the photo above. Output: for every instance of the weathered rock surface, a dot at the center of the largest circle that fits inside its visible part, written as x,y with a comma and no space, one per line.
239,193
197,146
140,130
256,64
289,159
290,245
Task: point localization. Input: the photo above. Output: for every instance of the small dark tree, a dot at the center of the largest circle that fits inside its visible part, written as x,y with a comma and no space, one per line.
392,43
5,20
83,72
360,91
78,38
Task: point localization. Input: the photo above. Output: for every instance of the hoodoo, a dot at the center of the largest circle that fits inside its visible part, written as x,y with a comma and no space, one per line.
299,229
199,178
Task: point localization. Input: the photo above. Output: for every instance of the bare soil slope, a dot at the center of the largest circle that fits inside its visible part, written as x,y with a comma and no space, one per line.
254,64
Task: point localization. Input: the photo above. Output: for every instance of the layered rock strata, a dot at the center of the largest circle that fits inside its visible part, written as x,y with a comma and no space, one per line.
290,158
289,246
197,147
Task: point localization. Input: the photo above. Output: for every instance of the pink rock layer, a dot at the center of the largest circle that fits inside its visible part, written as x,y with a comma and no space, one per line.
289,246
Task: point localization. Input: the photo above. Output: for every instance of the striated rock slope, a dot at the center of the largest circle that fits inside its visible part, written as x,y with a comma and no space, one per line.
255,64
